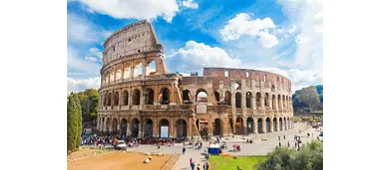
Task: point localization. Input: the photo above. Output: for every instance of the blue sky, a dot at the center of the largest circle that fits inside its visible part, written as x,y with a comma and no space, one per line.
280,36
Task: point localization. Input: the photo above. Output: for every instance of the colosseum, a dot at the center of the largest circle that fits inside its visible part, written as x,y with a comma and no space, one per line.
141,99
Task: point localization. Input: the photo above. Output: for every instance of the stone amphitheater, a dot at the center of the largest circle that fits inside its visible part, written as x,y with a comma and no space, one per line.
141,99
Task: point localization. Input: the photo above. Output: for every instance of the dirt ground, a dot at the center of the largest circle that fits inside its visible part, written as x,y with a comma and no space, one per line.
118,161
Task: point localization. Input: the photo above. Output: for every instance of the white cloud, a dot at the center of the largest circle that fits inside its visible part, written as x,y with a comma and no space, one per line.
138,9
243,25
267,40
302,39
189,4
89,58
194,56
77,85
96,52
81,66
307,16
81,31
298,78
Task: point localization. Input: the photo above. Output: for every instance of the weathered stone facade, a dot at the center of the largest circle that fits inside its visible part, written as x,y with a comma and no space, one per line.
138,96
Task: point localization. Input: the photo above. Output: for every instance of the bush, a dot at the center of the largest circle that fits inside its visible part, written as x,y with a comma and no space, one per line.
310,157
297,119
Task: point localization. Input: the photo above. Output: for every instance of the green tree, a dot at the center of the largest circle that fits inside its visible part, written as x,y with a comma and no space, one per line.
309,96
279,159
89,100
309,157
73,123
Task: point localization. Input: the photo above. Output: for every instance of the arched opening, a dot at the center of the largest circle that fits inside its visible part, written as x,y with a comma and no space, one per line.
231,124
116,99
125,98
260,125
228,98
186,97
280,124
268,125
216,94
127,70
118,75
148,129
249,125
149,96
181,128
104,100
266,100
136,97
114,126
248,100
108,125
134,128
112,76
279,101
202,126
275,123
238,100
164,128
151,68
239,126
274,102
258,98
123,127
109,99
137,69
201,96
217,127
164,96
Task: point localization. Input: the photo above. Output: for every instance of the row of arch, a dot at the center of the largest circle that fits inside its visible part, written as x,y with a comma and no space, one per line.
133,128
261,101
113,99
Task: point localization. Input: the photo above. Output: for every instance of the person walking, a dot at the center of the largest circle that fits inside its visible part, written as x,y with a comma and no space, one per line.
280,144
279,138
284,137
184,150
288,143
198,167
192,166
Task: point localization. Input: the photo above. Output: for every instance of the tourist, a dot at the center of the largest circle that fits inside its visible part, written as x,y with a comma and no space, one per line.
295,144
198,167
184,149
206,165
280,144
288,143
284,137
192,166
191,161
279,138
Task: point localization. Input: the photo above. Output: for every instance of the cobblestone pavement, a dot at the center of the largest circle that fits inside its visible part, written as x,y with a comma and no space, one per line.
258,147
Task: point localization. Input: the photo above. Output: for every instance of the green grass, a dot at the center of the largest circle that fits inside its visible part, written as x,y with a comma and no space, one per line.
229,163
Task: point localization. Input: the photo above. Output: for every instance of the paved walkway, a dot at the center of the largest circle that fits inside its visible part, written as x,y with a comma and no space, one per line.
258,147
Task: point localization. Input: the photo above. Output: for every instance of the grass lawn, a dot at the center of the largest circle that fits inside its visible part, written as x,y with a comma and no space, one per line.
229,163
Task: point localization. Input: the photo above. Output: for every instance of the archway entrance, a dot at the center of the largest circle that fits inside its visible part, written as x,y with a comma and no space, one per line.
239,126
181,128
114,126
202,126
249,125
260,125
217,127
164,128
123,127
148,129
280,124
268,125
134,128
275,123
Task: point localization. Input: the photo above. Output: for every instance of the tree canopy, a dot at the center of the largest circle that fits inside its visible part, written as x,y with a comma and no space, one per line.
308,99
74,125
309,157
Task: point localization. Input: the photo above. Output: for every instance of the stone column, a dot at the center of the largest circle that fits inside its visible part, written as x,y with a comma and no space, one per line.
129,97
210,127
172,130
262,101
142,96
123,72
112,99
131,71
272,125
129,128
234,124
143,68
264,125
245,125
114,73
255,127
104,125
254,104
120,99
189,126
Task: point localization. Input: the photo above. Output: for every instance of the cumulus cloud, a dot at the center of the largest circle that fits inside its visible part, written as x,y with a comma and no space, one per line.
189,4
268,40
298,78
77,85
79,65
89,58
194,56
126,9
307,16
81,31
242,24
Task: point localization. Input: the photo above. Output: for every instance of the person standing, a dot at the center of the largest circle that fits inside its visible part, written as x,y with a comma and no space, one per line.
184,149
198,167
192,166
